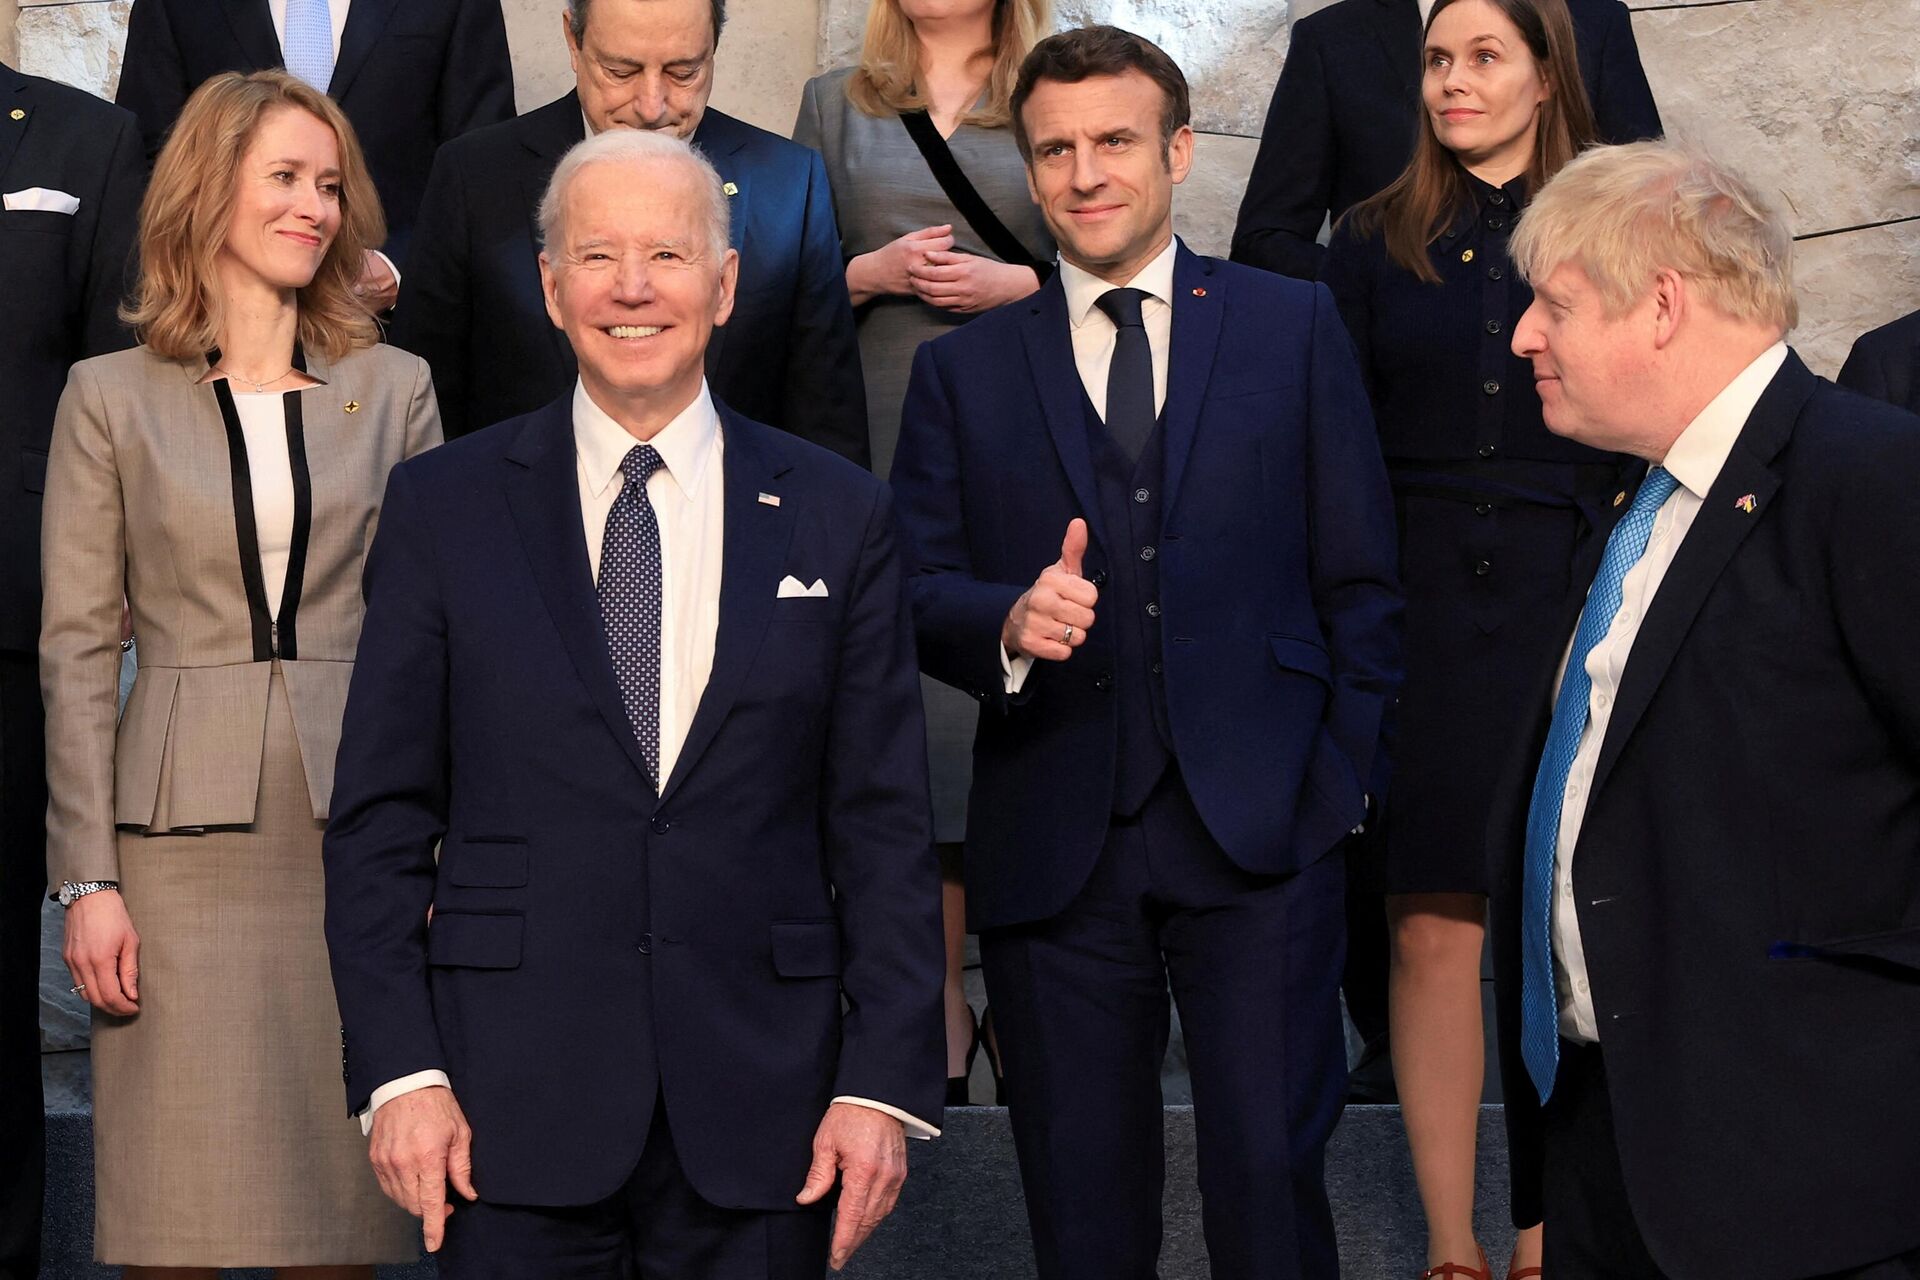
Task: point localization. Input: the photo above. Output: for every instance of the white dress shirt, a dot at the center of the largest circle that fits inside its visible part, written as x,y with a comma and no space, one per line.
1695,460
688,496
263,423
1094,336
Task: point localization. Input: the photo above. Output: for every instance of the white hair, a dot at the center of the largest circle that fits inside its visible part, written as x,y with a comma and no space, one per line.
638,149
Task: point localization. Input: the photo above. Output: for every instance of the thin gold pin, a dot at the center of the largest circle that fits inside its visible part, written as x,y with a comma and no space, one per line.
352,406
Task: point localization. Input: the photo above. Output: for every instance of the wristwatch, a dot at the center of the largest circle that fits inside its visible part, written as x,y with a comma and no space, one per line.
72,891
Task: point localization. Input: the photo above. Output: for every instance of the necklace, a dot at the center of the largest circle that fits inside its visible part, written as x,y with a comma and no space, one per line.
259,388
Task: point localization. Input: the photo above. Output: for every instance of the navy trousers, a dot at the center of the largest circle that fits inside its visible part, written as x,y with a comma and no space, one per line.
656,1227
1080,1005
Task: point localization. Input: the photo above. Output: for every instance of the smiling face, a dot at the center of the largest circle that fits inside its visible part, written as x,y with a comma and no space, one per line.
286,201
1483,90
1100,173
634,281
644,64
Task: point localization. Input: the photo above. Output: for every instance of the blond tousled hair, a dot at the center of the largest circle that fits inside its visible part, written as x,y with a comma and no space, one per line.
177,308
884,83
1624,214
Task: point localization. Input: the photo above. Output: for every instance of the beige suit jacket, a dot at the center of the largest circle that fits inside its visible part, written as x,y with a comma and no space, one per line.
140,499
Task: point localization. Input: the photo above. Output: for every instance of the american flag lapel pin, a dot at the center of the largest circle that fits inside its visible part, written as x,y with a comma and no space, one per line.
1747,503
771,499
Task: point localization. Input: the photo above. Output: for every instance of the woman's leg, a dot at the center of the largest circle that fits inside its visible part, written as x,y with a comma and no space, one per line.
953,916
1526,1248
1433,999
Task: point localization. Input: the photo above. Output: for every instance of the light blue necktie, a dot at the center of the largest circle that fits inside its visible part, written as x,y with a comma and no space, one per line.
308,44
1539,1008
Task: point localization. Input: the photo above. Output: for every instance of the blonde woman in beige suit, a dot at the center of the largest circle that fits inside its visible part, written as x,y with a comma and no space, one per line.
225,476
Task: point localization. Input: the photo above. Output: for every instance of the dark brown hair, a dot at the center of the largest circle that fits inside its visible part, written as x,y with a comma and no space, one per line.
1433,190
1085,52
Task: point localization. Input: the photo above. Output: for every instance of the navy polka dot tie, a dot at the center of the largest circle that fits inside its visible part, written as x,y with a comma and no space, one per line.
630,600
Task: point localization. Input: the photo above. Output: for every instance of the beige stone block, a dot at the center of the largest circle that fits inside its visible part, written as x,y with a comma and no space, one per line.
78,44
538,44
1851,283
1206,204
1817,100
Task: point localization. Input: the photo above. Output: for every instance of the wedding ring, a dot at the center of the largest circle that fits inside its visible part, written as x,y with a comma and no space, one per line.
79,990
1066,636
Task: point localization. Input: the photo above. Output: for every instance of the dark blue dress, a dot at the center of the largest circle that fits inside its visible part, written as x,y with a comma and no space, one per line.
1491,506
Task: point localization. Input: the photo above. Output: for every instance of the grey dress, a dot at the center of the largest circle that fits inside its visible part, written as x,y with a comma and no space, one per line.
882,189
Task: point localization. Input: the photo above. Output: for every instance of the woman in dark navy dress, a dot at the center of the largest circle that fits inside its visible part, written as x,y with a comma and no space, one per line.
1491,507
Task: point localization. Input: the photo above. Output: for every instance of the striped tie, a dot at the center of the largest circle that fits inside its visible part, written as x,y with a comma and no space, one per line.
308,44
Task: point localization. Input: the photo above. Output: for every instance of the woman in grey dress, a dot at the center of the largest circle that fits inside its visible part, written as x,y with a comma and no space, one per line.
915,269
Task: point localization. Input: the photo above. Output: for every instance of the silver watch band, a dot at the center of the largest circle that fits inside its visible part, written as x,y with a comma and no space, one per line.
71,891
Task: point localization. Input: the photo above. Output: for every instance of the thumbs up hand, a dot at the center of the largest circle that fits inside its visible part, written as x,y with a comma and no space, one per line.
1050,621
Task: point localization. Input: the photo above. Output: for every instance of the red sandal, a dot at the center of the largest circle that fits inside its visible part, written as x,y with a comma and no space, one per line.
1455,1271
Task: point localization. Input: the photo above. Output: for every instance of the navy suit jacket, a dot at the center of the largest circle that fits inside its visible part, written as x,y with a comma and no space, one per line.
1747,876
589,948
410,75
1346,113
1279,597
471,304
1885,363
63,275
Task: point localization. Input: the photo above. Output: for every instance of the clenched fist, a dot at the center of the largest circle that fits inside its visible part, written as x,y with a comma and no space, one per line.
1050,621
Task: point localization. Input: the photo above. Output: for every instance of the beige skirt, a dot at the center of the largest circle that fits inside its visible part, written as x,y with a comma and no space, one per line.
221,1136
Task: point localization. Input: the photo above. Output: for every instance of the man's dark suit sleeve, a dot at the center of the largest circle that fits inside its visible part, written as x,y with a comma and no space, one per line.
153,80
1866,372
1355,548
878,827
957,616
1290,188
389,808
434,315
1623,105
826,397
476,84
110,254
1876,544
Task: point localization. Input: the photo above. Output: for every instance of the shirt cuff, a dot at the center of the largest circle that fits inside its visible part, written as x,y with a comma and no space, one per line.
1014,670
394,1088
389,261
915,1128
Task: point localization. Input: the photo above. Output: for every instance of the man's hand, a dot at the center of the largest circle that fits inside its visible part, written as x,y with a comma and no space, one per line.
420,1143
869,1149
887,270
376,288
1051,620
969,284
103,952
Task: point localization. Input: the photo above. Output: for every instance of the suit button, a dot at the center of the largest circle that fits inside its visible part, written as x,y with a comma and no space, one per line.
1491,387
1099,578
661,825
1141,495
646,944
1482,568
1148,553
1495,273
1493,326
1483,508
1496,224
1153,608
1156,668
1103,682
1497,199
1487,451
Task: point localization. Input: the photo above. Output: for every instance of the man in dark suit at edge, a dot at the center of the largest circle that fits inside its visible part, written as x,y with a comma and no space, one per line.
1151,531
1705,864
471,305
1885,363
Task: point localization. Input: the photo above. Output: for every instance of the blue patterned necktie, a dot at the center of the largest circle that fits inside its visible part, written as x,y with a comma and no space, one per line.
1539,1006
1130,414
630,582
307,47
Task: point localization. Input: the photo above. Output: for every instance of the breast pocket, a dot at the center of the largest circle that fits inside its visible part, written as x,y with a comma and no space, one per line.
41,222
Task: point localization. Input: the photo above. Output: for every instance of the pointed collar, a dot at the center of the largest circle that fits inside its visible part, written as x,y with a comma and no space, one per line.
1698,454
1084,289
686,444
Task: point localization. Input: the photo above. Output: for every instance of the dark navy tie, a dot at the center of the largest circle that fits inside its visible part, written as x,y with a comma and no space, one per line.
1130,412
630,600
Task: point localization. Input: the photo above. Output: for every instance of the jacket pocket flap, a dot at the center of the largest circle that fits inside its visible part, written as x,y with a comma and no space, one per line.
33,470
1306,656
1900,947
463,939
485,864
806,948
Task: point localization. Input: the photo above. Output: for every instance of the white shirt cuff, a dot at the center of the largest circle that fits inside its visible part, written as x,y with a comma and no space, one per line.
394,1088
389,261
1014,670
915,1128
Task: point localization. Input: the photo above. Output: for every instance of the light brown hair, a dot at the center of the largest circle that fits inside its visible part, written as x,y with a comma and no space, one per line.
1432,191
177,307
1086,52
885,82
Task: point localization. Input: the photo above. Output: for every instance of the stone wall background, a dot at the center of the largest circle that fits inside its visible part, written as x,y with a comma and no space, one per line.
1817,99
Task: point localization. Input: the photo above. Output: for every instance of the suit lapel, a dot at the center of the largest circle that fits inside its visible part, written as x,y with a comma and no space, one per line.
543,492
1396,33
1056,382
252,24
1198,301
551,131
1717,532
720,137
754,547
365,21
14,96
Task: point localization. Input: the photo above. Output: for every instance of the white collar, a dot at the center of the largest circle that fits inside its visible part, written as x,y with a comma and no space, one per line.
1698,454
1084,289
684,444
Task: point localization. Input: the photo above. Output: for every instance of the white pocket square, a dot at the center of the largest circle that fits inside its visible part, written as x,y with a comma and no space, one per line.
42,198
791,588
